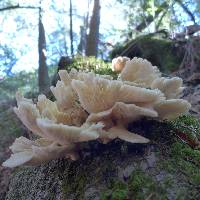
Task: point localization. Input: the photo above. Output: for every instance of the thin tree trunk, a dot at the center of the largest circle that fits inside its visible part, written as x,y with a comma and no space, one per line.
82,38
93,36
43,76
71,29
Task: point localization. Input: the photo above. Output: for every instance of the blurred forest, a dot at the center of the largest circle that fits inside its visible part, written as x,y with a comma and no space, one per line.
35,34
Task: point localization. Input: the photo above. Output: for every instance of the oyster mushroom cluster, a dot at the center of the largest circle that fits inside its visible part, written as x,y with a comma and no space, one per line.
89,107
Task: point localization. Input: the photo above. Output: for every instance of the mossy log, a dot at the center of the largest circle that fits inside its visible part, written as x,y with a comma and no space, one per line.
164,169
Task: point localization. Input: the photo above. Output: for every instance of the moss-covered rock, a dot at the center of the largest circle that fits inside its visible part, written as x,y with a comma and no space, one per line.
164,53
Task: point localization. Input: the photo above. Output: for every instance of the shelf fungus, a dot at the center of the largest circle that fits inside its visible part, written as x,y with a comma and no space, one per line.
89,107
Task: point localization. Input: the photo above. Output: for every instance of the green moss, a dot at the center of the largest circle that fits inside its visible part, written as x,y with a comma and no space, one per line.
188,124
175,157
182,159
167,165
139,186
74,181
187,161
180,150
119,191
92,64
105,195
75,186
161,51
142,186
119,194
137,180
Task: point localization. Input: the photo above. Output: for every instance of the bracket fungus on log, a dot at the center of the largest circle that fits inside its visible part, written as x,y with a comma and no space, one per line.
89,106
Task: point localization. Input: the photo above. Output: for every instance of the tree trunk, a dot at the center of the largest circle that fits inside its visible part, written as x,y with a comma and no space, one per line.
71,28
43,76
93,36
81,45
83,32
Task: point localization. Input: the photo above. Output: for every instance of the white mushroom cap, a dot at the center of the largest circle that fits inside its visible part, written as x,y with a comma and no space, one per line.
171,87
122,113
64,134
140,71
72,116
123,134
65,97
35,152
97,94
63,91
171,109
28,113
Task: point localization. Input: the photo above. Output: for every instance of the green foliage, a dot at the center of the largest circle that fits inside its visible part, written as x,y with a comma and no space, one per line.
25,82
22,81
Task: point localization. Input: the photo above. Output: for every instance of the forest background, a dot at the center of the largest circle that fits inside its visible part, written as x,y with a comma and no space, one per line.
35,34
